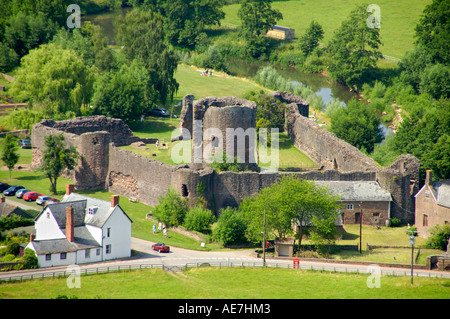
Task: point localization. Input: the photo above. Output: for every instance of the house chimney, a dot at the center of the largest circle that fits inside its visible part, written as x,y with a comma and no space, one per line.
32,237
69,189
2,199
114,200
428,178
69,224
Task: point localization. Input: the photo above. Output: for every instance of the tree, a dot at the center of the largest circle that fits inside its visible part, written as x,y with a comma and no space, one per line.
354,49
435,80
8,58
171,209
439,236
257,17
56,78
26,32
141,34
433,31
122,93
357,124
56,158
231,227
30,260
309,41
290,201
9,152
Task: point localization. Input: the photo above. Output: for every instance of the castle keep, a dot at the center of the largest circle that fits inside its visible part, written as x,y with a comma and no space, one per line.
106,166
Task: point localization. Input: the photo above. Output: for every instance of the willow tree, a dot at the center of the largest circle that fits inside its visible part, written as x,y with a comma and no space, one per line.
56,78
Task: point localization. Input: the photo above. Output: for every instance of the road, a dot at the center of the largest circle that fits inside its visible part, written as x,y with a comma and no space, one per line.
178,258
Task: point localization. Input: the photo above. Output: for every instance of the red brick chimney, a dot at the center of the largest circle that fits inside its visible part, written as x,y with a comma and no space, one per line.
69,224
69,189
428,178
32,237
114,200
2,199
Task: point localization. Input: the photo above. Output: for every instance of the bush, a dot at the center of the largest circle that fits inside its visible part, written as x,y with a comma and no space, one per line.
171,209
439,235
199,219
395,222
29,259
213,59
231,227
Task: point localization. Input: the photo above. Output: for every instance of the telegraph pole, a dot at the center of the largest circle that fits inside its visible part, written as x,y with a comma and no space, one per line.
360,227
264,240
412,240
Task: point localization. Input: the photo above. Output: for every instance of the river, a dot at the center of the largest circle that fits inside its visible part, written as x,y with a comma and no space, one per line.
324,86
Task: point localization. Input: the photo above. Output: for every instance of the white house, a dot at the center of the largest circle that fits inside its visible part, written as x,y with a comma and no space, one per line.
80,230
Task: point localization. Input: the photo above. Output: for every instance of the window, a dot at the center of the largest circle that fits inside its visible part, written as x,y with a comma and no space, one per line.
376,214
108,249
87,253
184,190
48,257
108,232
63,256
98,251
48,214
425,220
427,194
349,206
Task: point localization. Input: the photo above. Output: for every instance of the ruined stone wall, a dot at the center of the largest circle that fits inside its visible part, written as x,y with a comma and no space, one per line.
133,175
322,146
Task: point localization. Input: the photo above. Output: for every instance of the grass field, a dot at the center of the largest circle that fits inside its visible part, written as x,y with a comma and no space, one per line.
227,283
217,85
398,19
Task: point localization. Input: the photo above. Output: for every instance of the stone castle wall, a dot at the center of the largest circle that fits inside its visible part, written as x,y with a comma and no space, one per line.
105,166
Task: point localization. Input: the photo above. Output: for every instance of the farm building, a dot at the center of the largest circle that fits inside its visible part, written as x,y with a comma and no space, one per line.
281,33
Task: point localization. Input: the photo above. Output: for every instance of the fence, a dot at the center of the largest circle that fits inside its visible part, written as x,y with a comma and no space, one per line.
225,264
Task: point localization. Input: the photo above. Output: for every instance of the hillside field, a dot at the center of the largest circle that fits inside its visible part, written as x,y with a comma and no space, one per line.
398,19
229,283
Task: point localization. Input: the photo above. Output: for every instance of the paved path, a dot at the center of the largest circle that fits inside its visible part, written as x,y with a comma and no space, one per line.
179,257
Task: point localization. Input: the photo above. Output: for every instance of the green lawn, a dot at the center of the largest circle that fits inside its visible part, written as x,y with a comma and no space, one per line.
227,283
398,19
217,85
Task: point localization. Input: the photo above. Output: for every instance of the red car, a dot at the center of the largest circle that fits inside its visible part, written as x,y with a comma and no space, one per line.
161,247
31,196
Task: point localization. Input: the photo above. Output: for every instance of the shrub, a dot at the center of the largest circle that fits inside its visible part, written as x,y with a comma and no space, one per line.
439,235
231,227
395,222
29,259
171,209
199,219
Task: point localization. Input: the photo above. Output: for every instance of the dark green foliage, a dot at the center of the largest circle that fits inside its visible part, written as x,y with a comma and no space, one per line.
9,154
439,236
56,158
29,259
268,109
8,58
357,124
141,34
354,49
122,93
199,219
433,31
231,227
171,209
256,19
309,41
14,221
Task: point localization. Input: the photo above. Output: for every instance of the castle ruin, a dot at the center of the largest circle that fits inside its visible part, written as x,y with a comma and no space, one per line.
106,166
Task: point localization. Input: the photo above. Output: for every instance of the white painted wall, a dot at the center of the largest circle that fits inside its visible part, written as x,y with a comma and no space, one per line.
120,235
47,227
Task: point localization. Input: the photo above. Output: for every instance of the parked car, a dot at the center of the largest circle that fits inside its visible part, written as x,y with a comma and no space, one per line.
31,196
21,192
161,247
41,199
159,112
24,143
4,187
51,201
12,190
